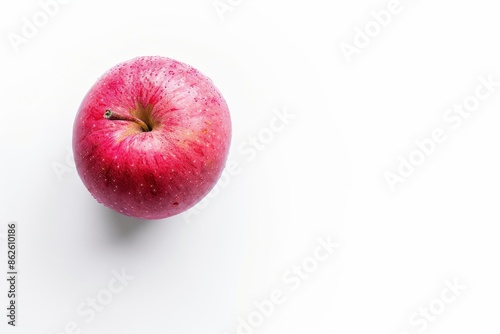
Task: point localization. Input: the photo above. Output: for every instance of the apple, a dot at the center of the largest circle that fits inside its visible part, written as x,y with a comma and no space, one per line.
151,137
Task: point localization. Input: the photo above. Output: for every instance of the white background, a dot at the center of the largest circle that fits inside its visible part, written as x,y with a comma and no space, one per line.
322,176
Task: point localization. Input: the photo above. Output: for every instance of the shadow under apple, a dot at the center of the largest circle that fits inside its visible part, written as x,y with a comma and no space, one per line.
124,227
121,227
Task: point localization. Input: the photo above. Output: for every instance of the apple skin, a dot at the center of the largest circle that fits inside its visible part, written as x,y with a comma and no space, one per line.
162,172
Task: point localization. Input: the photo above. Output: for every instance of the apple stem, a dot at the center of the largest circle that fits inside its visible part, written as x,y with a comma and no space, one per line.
112,115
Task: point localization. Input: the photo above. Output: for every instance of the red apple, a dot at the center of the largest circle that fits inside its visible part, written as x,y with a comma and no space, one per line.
151,137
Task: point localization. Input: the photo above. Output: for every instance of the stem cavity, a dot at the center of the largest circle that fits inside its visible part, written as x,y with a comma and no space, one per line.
112,115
